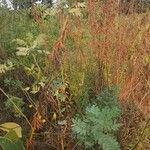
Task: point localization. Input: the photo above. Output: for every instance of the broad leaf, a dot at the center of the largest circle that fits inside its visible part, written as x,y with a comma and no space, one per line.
7,144
11,126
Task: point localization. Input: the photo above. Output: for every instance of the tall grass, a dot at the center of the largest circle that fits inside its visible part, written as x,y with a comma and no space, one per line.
87,52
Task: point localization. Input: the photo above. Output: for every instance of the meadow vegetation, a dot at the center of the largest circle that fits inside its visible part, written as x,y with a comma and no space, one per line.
74,78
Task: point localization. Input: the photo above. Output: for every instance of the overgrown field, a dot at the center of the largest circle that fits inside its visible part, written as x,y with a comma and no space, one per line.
74,78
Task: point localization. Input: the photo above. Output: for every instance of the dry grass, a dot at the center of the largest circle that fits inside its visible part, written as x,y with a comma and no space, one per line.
110,49
118,46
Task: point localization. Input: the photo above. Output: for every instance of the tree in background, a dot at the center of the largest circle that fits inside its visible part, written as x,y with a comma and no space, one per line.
3,3
23,4
19,4
73,2
47,2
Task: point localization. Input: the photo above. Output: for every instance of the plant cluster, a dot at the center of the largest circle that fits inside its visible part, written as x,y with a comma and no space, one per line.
96,127
60,68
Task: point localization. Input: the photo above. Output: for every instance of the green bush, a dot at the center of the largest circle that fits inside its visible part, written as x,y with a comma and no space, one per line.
97,127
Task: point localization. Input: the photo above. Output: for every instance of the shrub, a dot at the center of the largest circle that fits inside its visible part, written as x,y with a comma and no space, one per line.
98,125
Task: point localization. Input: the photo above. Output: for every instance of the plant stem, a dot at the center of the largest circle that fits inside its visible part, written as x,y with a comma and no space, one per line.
16,107
136,144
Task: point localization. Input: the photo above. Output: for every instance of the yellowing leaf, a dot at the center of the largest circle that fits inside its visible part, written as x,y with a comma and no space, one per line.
81,5
20,42
54,116
35,89
9,126
30,106
40,39
146,60
43,121
27,89
75,11
3,68
6,66
22,51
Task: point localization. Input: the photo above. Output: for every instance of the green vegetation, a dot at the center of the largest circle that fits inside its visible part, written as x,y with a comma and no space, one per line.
11,141
74,76
98,125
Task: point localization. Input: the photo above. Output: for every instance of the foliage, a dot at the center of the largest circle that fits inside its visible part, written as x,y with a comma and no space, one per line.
11,140
55,63
13,83
23,4
98,125
6,67
13,104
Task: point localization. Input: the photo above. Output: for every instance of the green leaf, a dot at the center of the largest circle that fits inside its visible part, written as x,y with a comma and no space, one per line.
12,135
14,138
11,141
108,142
97,126
7,144
19,145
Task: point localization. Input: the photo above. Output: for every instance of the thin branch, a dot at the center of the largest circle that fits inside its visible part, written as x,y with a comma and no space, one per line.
16,107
